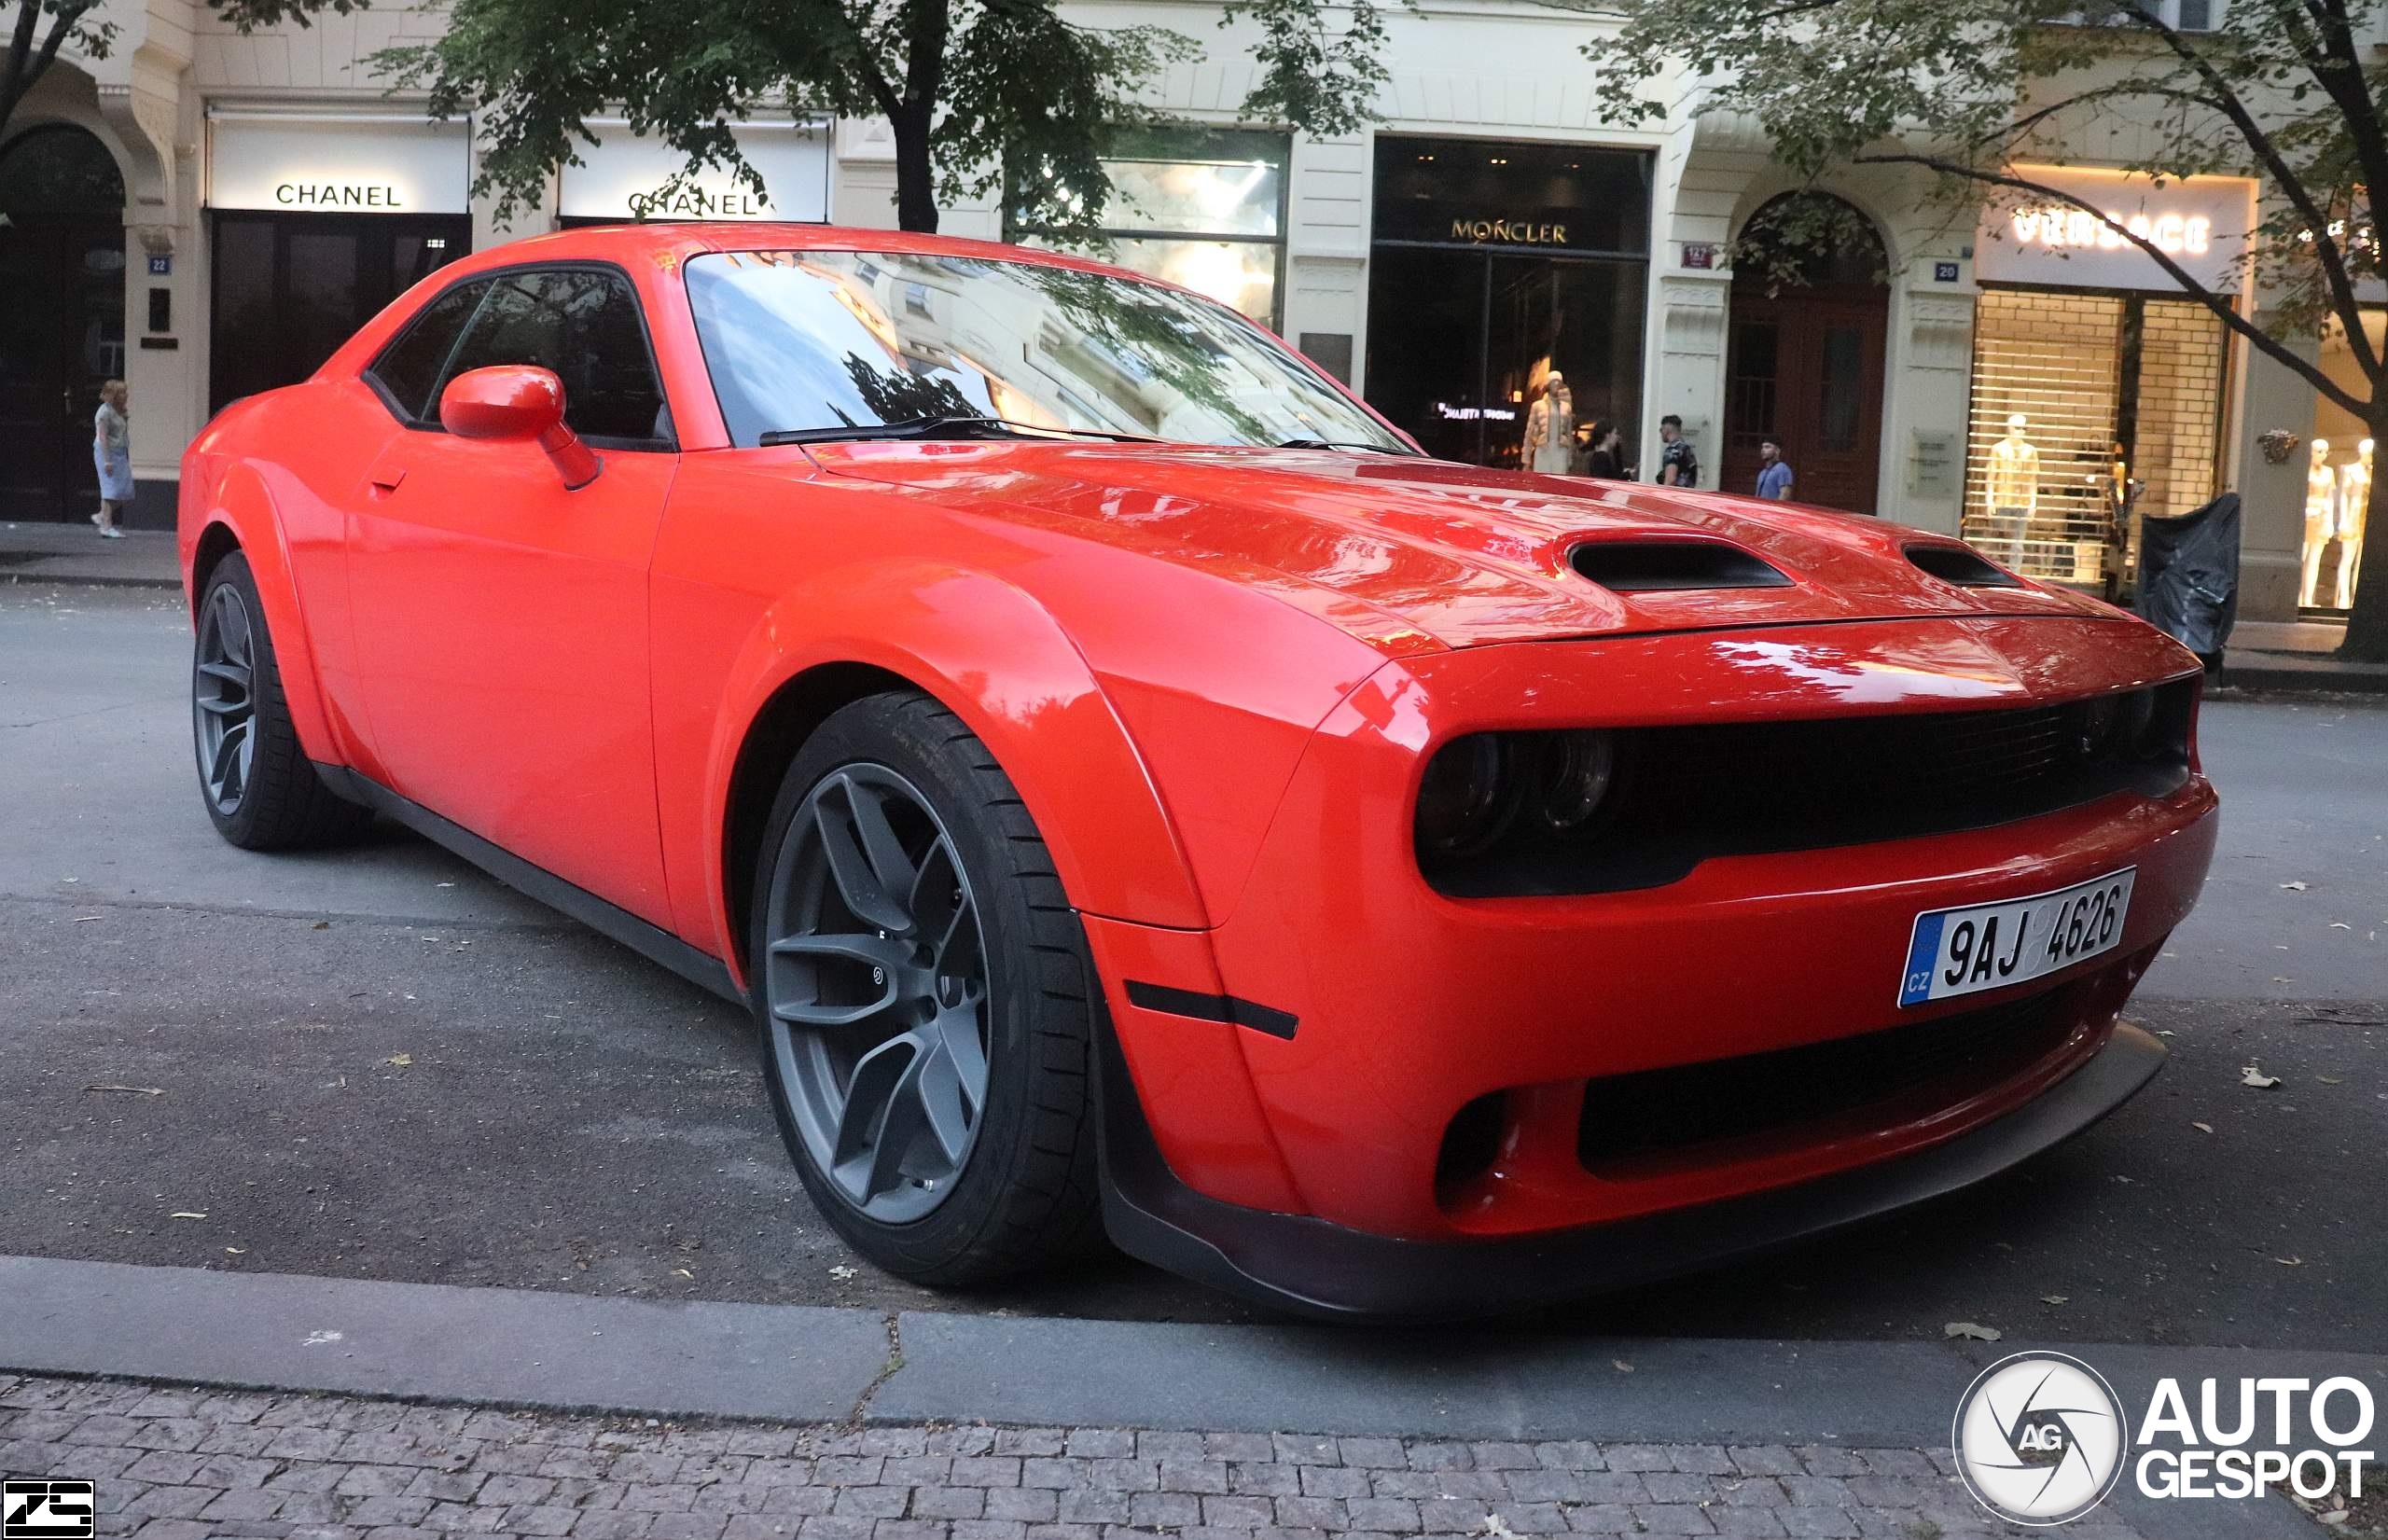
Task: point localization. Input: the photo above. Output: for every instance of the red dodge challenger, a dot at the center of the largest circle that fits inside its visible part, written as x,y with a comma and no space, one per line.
1137,793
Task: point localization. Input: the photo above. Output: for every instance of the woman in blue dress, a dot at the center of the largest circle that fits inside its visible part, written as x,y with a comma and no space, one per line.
112,453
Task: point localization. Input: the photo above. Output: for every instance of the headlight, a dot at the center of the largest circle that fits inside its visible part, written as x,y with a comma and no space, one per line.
1480,788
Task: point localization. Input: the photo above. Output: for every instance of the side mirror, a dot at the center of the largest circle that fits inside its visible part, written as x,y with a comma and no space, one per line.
517,401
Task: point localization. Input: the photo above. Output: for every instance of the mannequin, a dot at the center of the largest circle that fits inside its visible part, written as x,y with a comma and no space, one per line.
2014,489
2321,519
1550,429
2354,501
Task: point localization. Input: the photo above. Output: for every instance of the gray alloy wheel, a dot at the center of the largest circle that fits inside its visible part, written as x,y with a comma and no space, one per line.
875,980
260,789
224,699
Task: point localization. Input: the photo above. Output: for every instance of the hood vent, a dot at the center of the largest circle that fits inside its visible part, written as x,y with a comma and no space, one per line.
1645,566
1961,565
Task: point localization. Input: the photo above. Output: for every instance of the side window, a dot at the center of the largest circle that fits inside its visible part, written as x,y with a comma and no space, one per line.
410,367
583,324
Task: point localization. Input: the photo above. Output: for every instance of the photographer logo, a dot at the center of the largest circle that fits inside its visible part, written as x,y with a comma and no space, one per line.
2040,1438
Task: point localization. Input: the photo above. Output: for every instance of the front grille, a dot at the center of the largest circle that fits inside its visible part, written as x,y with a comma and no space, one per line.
1684,794
1657,1113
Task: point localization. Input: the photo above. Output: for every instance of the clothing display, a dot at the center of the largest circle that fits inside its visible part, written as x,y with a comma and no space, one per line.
2014,490
2320,519
2355,503
1550,429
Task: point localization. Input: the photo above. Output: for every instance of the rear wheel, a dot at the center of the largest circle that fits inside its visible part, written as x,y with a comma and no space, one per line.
921,984
261,790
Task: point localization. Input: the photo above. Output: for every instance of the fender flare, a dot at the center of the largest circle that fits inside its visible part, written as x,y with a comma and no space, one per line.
244,507
1000,661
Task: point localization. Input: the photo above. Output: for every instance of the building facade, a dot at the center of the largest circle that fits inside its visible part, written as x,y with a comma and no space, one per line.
207,214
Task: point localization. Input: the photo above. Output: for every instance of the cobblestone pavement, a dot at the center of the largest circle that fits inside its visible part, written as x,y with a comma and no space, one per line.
190,1464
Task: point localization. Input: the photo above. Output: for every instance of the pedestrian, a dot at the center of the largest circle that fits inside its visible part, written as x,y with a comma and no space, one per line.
1608,459
1678,463
1773,471
112,453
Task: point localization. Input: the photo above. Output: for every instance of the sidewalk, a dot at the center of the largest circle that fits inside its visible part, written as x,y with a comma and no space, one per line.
529,1412
191,1464
2295,655
76,553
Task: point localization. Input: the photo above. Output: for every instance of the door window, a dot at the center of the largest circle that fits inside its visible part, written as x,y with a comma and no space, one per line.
410,367
583,324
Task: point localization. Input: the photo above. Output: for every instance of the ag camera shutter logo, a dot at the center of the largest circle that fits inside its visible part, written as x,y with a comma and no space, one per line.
2040,1438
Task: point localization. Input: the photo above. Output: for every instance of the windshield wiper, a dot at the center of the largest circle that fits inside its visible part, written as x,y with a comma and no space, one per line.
1340,444
940,428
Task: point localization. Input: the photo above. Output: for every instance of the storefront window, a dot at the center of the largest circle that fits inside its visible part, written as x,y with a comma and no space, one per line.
2075,394
1506,286
1199,208
2337,481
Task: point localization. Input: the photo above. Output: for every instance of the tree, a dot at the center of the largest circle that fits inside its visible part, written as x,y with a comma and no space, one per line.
44,29
1973,92
979,93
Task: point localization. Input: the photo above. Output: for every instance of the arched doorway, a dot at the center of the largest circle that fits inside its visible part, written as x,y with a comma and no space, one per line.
1804,364
62,328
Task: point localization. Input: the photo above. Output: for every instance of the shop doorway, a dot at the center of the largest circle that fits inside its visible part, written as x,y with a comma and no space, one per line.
1804,363
290,288
62,327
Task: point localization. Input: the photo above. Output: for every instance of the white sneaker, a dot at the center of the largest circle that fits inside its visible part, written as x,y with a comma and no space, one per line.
111,533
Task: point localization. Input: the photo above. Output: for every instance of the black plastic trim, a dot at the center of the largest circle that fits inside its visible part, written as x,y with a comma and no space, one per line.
1310,1267
650,941
1211,1007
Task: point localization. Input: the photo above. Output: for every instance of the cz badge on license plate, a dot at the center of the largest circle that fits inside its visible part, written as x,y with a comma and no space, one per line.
1989,945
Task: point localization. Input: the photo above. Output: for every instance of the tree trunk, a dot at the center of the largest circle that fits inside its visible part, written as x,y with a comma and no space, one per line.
915,172
2368,624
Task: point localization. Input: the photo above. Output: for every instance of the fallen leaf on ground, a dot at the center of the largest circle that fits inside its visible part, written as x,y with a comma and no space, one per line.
1974,1329
86,918
1620,1366
401,1060
2202,1128
2292,887
2340,924
321,924
2251,1076
842,1272
236,1250
133,1091
2329,1080
2054,1298
1497,1525
185,1214
684,1272
2290,1261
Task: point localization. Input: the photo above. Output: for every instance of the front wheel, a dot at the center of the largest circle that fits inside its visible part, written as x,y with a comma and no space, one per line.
920,985
261,790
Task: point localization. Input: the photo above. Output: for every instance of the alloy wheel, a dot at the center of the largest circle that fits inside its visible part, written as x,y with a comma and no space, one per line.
223,698
875,978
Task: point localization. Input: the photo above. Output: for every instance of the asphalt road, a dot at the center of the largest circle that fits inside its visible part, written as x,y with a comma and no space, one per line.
380,1063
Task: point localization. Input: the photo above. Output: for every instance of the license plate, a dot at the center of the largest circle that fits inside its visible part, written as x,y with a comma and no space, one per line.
1989,945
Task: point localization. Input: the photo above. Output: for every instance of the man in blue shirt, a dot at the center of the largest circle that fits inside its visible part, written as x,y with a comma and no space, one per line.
1773,475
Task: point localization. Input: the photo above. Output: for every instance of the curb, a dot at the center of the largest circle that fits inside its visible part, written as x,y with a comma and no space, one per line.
19,576
520,1348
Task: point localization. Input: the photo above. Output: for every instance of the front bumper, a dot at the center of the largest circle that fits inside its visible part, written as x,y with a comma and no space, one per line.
1314,1266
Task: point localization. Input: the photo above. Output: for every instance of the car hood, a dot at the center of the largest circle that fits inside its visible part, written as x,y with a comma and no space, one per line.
1405,551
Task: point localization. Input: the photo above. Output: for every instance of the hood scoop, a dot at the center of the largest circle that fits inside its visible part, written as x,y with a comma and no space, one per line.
1961,565
1658,566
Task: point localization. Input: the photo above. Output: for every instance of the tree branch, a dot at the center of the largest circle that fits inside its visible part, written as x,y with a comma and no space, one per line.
2343,299
2270,347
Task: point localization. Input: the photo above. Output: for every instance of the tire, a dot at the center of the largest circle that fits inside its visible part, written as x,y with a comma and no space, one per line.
259,787
867,1005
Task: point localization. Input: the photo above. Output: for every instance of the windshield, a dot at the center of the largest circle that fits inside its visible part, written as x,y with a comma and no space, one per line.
805,340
